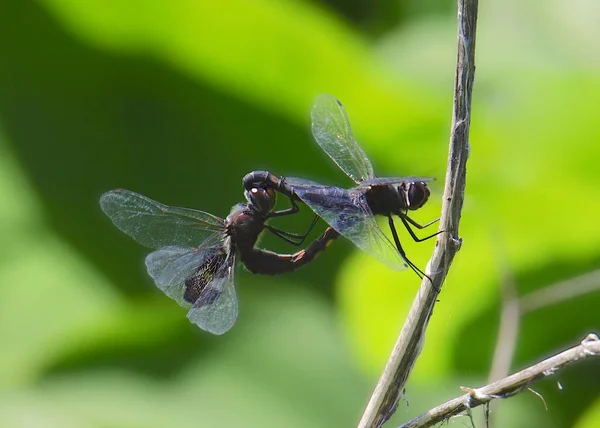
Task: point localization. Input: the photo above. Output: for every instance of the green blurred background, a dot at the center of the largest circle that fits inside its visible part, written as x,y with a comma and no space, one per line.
178,100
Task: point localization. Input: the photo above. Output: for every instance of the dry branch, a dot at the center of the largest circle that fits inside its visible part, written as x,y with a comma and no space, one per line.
509,386
390,387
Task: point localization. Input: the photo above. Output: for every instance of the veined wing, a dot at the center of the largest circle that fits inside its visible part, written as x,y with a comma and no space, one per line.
331,129
201,281
155,225
171,266
217,308
347,212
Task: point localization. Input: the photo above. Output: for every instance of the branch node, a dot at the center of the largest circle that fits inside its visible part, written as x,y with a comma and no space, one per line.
476,394
457,243
590,338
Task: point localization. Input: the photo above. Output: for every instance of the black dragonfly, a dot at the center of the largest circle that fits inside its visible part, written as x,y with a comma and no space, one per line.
351,211
196,251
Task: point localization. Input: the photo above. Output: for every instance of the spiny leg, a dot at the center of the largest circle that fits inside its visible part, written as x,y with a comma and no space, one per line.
405,220
288,211
417,225
290,236
414,267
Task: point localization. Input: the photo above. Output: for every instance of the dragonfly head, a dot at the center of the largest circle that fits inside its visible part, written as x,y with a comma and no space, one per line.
263,199
415,193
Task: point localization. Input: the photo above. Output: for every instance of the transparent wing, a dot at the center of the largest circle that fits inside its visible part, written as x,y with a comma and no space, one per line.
201,281
171,266
155,225
347,212
217,308
331,129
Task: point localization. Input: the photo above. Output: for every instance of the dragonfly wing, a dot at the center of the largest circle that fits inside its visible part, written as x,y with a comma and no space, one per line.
347,212
171,266
216,308
395,180
155,225
373,240
331,129
201,281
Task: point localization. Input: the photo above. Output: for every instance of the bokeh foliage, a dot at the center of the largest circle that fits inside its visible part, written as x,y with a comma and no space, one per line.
178,100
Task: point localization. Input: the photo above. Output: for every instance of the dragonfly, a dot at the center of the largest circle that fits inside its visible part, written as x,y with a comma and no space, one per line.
195,252
352,212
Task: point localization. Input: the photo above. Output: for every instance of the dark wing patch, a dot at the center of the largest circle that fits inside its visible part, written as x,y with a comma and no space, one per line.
197,282
216,308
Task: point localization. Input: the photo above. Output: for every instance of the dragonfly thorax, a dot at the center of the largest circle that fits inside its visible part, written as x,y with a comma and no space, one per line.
244,225
386,199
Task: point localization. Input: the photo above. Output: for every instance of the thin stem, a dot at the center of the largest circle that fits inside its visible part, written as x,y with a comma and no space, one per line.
510,321
509,386
390,387
514,307
564,290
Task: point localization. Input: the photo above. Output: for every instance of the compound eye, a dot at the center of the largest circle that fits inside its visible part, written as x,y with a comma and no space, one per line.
418,194
262,199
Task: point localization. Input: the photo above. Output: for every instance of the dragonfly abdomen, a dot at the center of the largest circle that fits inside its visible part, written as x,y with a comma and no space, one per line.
269,263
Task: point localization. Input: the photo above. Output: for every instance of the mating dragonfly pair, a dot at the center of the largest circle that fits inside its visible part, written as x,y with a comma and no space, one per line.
196,251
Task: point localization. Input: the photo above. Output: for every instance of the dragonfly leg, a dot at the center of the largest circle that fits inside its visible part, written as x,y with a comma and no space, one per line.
304,256
288,211
414,267
290,237
417,225
405,220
